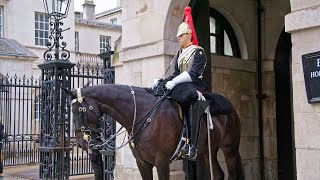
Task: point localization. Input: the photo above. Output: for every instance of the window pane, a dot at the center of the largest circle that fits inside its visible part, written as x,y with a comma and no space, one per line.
212,44
113,21
223,39
227,45
212,25
41,29
104,42
77,41
1,21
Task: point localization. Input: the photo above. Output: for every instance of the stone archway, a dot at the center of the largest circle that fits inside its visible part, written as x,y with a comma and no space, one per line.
173,19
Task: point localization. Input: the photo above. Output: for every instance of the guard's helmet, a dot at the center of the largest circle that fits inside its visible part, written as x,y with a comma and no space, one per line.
187,26
184,28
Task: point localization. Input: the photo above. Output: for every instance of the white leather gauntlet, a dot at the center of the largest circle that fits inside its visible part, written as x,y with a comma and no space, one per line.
181,78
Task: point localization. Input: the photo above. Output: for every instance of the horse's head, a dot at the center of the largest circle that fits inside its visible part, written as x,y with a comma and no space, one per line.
86,117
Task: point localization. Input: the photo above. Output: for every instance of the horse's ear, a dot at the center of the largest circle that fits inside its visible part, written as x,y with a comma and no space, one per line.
88,83
70,93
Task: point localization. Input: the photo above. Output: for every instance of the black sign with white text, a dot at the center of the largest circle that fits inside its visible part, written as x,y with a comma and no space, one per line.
311,69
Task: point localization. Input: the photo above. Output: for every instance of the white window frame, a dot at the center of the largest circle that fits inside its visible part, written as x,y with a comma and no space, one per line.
77,45
42,29
37,108
104,41
113,21
1,21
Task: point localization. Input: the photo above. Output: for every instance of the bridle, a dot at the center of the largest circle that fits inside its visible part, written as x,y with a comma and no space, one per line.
97,142
87,131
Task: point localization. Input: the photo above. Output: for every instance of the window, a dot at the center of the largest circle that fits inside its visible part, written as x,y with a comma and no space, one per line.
77,41
104,43
41,29
1,21
37,111
78,15
223,40
113,21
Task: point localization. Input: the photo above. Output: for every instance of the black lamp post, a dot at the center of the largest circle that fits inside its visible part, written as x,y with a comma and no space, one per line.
55,111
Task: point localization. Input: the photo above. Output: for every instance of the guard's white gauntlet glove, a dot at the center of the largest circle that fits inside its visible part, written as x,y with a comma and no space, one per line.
181,78
156,82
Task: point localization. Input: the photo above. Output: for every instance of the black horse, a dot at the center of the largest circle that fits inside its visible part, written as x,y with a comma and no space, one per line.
155,144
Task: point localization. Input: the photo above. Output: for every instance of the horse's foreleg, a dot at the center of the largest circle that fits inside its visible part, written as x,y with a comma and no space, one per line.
163,171
145,170
233,161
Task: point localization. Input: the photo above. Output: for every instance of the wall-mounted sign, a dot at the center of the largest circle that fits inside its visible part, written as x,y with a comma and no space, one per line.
311,69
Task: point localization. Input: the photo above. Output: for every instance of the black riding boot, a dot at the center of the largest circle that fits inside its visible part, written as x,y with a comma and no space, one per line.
196,110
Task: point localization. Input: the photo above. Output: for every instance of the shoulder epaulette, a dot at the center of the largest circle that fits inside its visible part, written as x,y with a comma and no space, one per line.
199,47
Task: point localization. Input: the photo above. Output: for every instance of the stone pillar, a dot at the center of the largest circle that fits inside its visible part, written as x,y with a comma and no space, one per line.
89,10
304,25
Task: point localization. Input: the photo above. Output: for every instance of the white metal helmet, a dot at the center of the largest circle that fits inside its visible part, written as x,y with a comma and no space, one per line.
184,28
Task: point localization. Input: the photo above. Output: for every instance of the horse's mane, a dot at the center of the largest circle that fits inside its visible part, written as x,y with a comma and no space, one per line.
219,103
136,89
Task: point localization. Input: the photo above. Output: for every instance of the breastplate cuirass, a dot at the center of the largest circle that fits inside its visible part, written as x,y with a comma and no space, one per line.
187,61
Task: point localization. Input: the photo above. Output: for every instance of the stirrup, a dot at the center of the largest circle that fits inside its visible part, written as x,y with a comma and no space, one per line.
191,154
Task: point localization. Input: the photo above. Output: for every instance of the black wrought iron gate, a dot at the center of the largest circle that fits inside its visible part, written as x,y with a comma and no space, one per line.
20,114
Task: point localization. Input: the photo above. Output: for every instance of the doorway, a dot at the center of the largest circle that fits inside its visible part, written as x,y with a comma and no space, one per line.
284,119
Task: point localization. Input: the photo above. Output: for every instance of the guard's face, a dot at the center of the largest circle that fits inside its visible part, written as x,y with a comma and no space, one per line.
184,39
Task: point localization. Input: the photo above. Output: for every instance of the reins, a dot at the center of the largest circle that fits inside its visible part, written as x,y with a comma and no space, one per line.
86,131
132,135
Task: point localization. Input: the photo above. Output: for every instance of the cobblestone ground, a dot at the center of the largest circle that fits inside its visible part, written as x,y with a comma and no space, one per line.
6,177
31,172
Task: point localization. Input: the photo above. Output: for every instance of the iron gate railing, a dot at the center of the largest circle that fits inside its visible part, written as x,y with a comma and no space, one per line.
20,114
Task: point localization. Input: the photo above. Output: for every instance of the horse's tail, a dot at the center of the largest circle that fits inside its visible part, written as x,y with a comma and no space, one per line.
239,166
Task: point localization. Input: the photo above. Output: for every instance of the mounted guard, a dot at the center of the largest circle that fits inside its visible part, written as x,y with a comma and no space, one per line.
148,127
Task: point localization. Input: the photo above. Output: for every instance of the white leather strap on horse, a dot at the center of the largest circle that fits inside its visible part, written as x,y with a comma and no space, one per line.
79,96
135,111
207,111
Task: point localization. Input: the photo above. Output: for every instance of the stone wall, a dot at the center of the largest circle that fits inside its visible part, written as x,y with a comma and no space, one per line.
235,79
